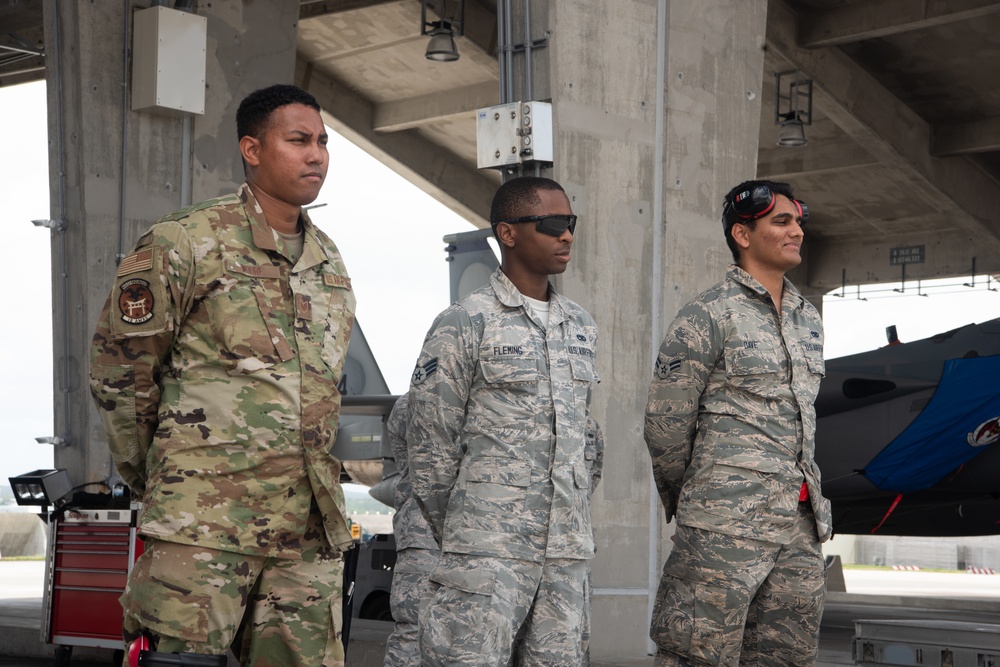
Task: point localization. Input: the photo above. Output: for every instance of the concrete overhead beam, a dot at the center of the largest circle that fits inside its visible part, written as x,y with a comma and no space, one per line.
429,167
899,138
949,253
781,164
421,110
977,136
480,20
312,8
857,21
21,15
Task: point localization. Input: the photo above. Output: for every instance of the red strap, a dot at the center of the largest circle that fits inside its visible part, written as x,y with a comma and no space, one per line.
804,493
891,508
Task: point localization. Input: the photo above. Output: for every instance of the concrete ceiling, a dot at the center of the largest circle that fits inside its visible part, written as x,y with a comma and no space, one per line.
904,145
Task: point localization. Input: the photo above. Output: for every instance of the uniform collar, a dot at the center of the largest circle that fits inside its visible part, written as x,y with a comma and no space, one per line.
790,295
313,252
508,295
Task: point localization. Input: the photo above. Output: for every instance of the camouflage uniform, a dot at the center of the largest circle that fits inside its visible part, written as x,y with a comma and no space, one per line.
214,368
498,410
730,427
416,553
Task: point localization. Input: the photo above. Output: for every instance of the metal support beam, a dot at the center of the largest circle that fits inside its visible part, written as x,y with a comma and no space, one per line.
424,109
899,138
853,22
438,173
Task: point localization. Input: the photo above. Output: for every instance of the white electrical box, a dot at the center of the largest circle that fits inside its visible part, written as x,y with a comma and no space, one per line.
513,134
168,61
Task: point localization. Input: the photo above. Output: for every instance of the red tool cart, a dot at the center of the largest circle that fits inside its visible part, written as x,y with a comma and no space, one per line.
90,554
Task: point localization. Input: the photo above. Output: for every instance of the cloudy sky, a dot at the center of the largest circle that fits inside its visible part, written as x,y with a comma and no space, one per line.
390,235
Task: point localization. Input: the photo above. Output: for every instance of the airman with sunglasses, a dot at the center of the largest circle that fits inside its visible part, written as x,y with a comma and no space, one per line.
730,427
496,439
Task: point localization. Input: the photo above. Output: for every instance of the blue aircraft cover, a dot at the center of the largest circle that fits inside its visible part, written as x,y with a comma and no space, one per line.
959,422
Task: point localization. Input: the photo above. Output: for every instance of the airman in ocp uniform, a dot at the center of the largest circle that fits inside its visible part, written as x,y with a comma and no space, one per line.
214,368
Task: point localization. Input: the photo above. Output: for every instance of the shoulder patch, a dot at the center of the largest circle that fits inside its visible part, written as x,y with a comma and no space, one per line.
135,301
421,373
136,262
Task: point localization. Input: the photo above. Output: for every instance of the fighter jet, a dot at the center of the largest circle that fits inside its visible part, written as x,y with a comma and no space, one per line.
906,436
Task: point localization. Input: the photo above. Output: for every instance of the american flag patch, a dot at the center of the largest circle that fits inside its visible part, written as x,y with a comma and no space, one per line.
137,261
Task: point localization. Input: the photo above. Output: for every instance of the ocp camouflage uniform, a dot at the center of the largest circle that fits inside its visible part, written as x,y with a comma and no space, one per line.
214,368
730,427
498,410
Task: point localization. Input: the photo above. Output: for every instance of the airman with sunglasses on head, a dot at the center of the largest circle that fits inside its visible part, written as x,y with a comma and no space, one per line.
498,409
730,427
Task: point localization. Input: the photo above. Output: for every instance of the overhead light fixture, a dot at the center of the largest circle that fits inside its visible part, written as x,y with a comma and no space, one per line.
792,107
441,47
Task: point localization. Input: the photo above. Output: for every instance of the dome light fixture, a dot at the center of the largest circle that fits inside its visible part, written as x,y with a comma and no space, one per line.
792,108
441,46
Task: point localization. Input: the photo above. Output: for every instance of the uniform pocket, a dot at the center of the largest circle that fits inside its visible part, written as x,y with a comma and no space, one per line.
113,389
703,622
736,489
337,328
244,316
513,372
492,492
166,608
757,371
461,624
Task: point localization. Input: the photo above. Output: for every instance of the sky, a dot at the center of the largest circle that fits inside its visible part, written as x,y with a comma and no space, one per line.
389,233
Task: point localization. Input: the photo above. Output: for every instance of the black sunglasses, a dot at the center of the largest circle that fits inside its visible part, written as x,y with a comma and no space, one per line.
553,225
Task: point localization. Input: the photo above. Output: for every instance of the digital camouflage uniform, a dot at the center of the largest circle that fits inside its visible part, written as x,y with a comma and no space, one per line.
730,427
417,553
214,368
498,410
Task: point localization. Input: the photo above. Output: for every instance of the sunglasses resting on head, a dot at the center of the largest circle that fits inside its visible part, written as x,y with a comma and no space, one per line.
758,202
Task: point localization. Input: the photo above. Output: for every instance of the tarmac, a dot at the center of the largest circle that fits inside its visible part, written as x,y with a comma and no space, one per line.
21,642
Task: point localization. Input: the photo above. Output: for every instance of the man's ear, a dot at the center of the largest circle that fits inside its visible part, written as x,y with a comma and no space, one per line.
741,234
250,150
506,234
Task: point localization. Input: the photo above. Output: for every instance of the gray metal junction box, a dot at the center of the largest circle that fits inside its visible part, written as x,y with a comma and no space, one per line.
926,643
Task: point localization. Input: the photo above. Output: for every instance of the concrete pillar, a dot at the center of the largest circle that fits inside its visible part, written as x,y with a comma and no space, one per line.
656,108
114,171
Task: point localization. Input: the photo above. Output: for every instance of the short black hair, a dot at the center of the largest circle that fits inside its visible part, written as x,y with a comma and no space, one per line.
729,217
516,195
255,110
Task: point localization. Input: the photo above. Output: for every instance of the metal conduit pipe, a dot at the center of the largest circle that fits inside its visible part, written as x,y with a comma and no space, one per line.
61,226
121,176
528,80
656,309
501,52
509,49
